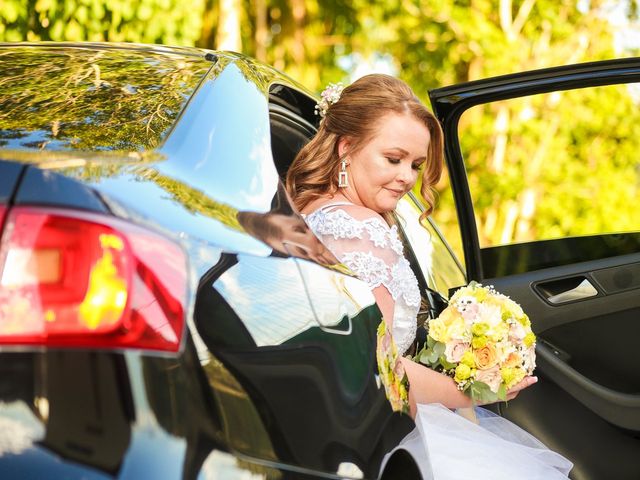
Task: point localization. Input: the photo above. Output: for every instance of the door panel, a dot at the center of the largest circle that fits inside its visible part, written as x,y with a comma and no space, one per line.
544,193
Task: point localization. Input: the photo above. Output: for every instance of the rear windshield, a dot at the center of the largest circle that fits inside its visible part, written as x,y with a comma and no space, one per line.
92,99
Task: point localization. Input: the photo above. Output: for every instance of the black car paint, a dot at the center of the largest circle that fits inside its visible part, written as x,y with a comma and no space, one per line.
223,406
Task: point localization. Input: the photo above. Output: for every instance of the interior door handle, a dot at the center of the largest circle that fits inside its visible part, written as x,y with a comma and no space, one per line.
567,290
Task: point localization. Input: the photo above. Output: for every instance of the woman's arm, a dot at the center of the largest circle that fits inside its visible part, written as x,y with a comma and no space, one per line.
425,385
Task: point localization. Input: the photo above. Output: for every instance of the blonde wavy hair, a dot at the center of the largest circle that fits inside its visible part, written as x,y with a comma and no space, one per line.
314,172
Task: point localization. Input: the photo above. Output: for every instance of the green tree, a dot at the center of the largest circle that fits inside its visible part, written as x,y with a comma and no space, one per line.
148,21
444,42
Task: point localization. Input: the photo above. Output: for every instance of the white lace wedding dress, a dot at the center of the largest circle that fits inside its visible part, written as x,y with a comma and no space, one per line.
447,445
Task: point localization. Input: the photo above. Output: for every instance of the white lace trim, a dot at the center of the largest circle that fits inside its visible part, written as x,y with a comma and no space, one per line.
397,278
339,224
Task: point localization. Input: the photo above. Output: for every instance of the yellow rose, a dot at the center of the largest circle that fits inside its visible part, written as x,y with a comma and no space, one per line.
511,376
461,292
463,372
486,357
529,339
479,342
449,315
468,359
438,330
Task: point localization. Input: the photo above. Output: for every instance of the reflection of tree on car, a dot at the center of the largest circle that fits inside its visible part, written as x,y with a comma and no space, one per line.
84,92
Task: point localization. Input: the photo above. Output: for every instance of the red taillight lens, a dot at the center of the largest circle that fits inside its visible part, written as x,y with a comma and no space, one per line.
3,210
85,280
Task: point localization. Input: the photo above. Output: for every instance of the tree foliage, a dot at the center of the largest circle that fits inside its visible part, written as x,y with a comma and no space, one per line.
148,21
515,151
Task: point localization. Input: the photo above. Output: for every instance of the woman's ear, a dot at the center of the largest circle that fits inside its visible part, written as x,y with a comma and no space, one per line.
344,145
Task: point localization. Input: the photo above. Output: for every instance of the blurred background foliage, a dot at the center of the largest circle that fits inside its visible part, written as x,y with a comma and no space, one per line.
517,152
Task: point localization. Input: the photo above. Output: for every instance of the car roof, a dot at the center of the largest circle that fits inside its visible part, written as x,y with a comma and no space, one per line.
93,97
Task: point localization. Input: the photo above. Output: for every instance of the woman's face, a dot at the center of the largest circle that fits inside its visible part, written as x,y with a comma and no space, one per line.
386,167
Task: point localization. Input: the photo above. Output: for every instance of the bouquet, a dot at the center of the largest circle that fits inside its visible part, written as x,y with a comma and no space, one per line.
392,374
483,340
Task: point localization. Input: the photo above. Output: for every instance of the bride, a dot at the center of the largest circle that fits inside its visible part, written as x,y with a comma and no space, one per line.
375,140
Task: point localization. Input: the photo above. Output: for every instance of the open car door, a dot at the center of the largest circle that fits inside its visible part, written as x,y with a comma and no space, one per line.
545,172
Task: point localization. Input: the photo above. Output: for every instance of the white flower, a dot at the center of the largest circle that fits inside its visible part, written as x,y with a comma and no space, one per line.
529,359
470,313
490,314
516,332
465,300
329,96
504,350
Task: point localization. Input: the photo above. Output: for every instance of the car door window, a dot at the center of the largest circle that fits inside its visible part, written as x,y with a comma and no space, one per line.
554,166
439,266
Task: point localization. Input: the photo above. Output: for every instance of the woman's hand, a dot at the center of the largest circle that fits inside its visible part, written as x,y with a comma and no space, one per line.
524,383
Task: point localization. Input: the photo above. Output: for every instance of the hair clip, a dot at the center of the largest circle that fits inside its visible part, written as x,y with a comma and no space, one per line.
329,96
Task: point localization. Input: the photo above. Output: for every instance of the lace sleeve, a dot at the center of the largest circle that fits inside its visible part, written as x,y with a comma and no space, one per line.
373,251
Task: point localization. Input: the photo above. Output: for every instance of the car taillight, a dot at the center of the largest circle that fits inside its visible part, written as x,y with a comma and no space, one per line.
75,279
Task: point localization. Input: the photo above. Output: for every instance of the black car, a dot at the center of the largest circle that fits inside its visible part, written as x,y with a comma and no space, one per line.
165,313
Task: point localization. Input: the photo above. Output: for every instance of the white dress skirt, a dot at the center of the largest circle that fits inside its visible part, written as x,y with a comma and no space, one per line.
448,446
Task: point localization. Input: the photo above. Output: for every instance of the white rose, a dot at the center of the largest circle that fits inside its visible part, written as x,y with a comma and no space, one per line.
491,377
516,332
529,359
454,350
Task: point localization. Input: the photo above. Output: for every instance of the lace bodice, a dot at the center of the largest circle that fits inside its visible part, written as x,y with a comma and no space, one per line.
374,252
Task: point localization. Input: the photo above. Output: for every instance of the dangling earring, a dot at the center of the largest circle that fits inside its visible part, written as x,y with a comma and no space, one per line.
343,177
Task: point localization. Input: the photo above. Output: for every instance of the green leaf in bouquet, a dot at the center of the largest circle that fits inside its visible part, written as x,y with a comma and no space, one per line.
436,352
431,354
430,341
445,364
481,393
502,392
417,357
424,357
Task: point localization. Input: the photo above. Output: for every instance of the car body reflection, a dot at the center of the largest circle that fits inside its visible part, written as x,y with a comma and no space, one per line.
276,376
